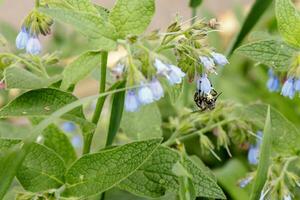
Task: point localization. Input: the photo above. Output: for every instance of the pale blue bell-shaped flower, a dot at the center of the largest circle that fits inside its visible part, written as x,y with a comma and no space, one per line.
33,46
22,39
207,62
204,84
68,126
156,88
288,89
145,95
175,75
161,68
219,59
131,101
243,183
76,141
273,83
297,85
287,197
253,154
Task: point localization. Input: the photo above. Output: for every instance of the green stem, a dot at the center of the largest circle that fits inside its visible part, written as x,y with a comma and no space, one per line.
100,102
194,14
172,140
37,3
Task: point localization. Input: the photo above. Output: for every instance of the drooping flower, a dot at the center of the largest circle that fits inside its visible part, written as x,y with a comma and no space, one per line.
68,126
288,89
145,95
219,59
204,84
273,83
253,154
287,197
131,101
76,141
161,68
156,88
208,63
175,75
33,46
22,39
243,183
297,85
118,69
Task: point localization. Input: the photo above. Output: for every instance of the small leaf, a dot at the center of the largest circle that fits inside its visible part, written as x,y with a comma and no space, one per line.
41,170
83,5
144,124
264,158
91,25
96,173
132,17
156,177
269,52
16,77
116,114
257,10
80,68
288,19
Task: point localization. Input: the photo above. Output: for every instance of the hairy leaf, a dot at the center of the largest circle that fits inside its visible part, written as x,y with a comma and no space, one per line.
91,25
156,177
96,173
12,131
285,136
288,19
144,124
41,170
80,68
269,52
83,5
6,144
257,10
16,77
132,17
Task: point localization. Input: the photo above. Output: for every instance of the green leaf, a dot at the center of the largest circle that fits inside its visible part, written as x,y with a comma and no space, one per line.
144,124
257,10
41,170
116,114
12,131
132,17
16,77
6,144
80,68
195,3
156,177
104,12
264,158
273,53
83,5
91,25
285,136
288,19
56,140
102,44
96,173
41,102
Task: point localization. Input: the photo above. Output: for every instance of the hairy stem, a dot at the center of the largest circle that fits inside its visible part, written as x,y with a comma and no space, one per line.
100,102
37,3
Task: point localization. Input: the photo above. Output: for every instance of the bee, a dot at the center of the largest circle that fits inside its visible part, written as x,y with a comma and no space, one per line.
206,101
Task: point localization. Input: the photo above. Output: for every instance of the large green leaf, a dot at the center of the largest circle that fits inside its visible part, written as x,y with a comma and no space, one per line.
285,136
132,17
288,19
6,144
41,102
83,5
257,10
13,131
80,68
16,77
96,173
41,170
56,140
264,159
155,177
91,25
273,53
144,124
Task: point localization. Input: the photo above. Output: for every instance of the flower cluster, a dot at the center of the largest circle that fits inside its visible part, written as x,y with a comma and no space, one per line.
289,88
28,37
151,91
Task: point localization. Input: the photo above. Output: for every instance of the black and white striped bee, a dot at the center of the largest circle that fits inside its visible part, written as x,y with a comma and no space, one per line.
206,101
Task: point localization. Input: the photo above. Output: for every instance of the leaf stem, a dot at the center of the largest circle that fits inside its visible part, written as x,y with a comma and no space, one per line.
100,102
172,140
37,3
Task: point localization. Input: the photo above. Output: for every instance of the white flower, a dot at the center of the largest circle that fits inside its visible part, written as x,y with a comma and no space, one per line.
33,46
204,85
22,39
131,101
175,75
145,95
157,89
219,59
